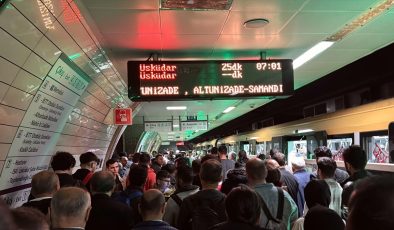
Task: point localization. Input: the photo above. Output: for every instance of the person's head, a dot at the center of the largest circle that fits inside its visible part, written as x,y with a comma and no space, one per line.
209,157
222,150
182,161
70,207
130,156
280,158
169,167
372,204
152,205
136,158
273,152
102,182
123,161
271,164
242,156
317,192
27,218
355,159
63,161
44,184
137,175
6,220
298,163
273,176
261,156
113,166
232,156
163,180
196,165
89,161
184,176
214,151
159,159
323,218
322,151
243,205
210,173
144,159
256,171
235,177
326,167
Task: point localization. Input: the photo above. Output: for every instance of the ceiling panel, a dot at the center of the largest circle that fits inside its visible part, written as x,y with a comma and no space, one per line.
267,6
318,22
123,4
127,21
235,22
192,22
339,5
187,42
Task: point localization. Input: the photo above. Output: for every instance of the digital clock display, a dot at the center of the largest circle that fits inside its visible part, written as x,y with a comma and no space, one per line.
183,80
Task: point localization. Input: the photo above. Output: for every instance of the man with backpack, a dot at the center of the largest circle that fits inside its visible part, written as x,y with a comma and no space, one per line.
184,188
131,196
205,208
279,209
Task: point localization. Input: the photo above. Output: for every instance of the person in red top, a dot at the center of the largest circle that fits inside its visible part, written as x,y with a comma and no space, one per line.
151,180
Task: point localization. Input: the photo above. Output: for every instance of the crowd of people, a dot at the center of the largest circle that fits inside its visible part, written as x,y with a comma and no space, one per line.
216,191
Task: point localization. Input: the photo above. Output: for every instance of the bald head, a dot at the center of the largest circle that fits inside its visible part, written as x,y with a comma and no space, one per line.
44,183
152,203
70,205
256,170
280,158
102,182
271,164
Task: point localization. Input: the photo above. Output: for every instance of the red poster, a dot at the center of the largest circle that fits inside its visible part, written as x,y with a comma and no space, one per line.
122,116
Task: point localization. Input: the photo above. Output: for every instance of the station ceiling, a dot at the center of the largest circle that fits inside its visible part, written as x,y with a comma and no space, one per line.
133,30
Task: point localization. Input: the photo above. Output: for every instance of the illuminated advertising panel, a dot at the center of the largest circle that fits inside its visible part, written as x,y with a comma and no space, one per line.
177,80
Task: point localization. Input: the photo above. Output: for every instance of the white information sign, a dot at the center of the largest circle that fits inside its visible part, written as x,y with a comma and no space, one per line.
57,90
47,113
68,77
40,129
19,170
31,142
16,199
158,126
194,125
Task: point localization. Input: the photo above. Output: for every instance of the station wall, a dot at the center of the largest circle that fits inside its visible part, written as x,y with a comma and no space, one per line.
57,91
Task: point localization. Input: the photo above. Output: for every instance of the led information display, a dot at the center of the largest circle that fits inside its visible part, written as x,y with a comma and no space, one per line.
175,80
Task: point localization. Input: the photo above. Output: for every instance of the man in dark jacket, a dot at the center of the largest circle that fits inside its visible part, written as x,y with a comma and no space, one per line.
88,166
355,160
63,164
205,208
152,208
106,213
131,196
43,185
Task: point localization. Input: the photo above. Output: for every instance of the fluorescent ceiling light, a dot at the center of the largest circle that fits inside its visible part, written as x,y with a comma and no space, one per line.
311,53
254,138
171,132
175,126
228,109
176,107
303,131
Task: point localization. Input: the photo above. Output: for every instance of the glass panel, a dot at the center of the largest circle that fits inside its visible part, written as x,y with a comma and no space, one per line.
337,146
377,148
296,149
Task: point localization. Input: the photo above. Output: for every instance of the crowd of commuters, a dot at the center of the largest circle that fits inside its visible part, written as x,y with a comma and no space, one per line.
218,191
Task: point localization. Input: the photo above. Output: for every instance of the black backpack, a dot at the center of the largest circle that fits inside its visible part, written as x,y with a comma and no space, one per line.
207,214
275,223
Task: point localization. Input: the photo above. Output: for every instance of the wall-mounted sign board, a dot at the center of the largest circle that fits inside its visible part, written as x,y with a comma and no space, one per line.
158,126
194,125
185,80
